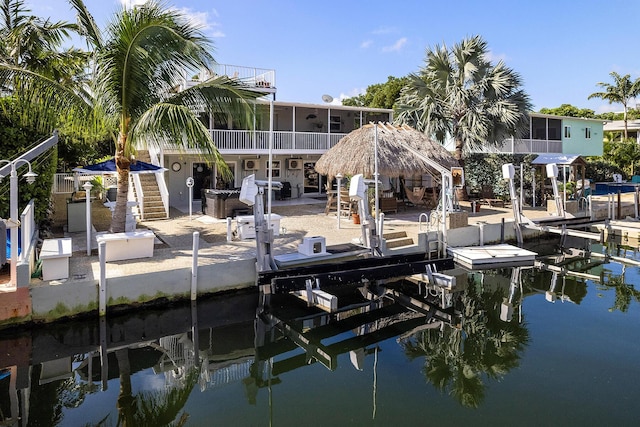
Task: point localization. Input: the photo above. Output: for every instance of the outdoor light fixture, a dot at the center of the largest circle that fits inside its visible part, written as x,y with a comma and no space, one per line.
30,177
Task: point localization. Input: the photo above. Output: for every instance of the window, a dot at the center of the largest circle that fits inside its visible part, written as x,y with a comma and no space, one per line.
587,133
275,171
567,131
335,123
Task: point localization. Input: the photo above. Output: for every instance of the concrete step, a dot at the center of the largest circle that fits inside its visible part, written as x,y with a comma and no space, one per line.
394,235
397,239
403,241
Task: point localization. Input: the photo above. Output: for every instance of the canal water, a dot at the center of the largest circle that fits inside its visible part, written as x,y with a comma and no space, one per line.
553,345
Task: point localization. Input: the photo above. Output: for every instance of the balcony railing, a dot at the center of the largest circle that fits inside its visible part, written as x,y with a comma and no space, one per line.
253,77
237,141
528,146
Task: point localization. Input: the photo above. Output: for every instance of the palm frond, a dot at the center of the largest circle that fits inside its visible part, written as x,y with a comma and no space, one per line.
87,26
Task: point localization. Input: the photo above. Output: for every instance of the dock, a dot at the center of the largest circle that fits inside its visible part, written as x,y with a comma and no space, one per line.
492,256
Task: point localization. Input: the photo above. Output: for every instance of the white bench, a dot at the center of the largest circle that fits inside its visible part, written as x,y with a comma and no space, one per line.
127,245
54,255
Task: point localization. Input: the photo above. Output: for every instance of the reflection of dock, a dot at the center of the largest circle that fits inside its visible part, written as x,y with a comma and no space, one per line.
625,230
369,313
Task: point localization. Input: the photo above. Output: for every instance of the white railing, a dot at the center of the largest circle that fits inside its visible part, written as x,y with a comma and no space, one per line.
27,228
139,193
522,146
164,192
251,76
64,183
283,141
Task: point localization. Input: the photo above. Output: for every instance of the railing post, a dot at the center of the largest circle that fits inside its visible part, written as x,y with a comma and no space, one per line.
102,291
194,266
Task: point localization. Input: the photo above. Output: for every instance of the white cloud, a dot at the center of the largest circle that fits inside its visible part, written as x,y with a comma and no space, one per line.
366,44
350,94
397,46
201,20
131,3
495,57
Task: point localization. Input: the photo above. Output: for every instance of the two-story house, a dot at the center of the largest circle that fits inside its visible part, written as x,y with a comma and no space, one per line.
297,134
300,134
558,134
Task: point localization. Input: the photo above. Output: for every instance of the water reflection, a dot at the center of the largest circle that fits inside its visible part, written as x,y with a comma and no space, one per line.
458,360
147,369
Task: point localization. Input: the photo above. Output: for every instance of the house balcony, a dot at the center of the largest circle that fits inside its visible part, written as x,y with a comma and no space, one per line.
284,142
258,78
526,146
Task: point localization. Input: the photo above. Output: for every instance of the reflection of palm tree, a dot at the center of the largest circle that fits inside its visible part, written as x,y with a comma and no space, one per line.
623,293
456,359
151,408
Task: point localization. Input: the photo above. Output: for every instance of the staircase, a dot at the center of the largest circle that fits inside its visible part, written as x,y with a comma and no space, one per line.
153,206
397,239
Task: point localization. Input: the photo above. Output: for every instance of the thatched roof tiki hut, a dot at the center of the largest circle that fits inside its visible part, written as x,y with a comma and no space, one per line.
400,153
354,154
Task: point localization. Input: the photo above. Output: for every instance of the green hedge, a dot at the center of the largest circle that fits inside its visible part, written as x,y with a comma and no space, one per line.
15,141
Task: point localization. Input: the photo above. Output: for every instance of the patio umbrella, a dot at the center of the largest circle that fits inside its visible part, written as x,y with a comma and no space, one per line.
109,166
355,153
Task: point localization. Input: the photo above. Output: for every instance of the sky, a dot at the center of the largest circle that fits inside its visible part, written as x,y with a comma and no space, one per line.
562,49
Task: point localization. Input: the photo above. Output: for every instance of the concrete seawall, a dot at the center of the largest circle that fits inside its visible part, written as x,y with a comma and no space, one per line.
224,266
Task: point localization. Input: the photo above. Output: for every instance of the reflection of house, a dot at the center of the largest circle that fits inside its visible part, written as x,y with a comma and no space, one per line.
301,134
558,134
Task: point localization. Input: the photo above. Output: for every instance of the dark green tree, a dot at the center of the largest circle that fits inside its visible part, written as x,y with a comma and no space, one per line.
568,110
381,95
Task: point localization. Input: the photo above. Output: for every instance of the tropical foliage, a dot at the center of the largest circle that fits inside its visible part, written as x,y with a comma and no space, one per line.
622,91
130,94
459,360
14,139
568,110
380,95
460,95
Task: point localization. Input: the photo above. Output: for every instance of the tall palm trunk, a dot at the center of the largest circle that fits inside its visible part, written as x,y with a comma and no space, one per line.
123,164
461,193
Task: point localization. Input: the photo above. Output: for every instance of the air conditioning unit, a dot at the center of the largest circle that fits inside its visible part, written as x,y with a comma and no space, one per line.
250,164
294,163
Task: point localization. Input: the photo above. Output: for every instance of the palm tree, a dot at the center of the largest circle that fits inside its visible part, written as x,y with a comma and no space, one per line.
145,54
620,92
134,69
29,44
459,94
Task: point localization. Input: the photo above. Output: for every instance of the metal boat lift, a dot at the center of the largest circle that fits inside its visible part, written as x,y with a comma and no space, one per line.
521,221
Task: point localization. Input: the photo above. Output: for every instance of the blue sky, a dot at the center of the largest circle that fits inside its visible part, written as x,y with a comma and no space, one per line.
561,48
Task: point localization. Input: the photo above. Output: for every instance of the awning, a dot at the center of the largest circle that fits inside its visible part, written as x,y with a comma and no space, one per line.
109,166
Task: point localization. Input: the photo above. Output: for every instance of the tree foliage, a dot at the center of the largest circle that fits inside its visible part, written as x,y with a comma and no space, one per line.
460,95
130,93
16,139
381,95
620,92
568,110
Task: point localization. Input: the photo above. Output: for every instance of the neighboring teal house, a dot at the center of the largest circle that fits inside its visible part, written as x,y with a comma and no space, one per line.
557,134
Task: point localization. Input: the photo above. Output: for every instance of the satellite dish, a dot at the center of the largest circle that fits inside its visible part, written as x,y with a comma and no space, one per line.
327,98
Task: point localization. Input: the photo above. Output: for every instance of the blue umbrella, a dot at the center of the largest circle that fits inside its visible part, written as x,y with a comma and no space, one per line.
109,166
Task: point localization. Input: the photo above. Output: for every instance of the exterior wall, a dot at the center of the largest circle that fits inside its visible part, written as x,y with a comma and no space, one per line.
578,143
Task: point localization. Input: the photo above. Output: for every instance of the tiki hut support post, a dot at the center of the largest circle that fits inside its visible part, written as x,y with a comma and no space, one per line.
375,177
